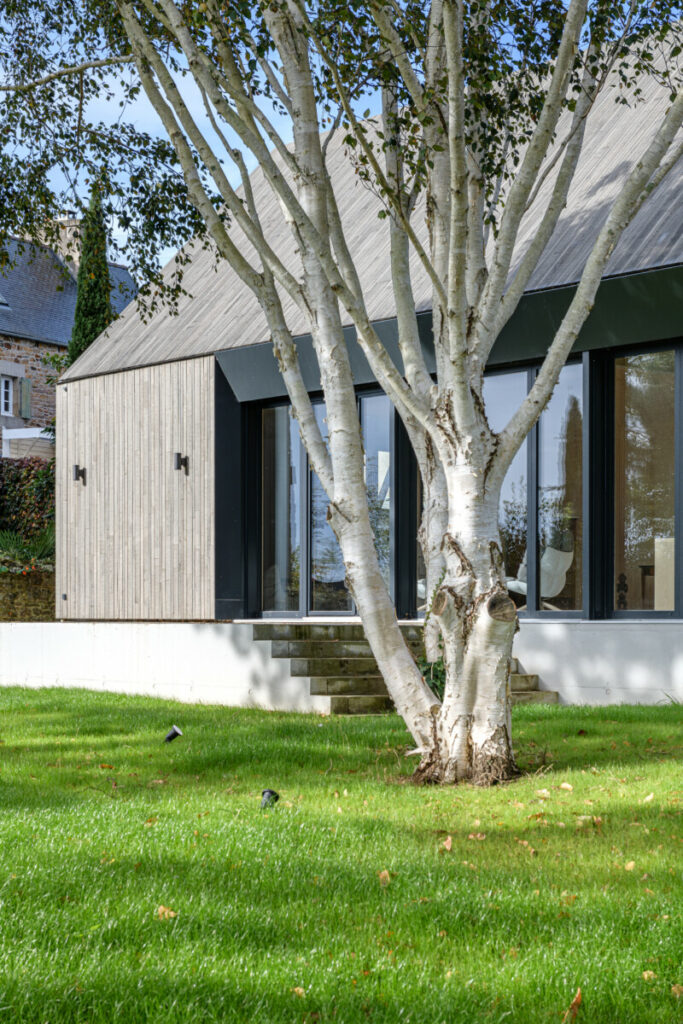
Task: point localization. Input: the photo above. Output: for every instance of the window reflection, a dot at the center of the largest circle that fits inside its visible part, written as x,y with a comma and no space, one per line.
328,589
644,566
281,477
560,495
503,394
376,421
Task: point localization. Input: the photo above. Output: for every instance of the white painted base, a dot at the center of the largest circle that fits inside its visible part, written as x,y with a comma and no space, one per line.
627,662
219,663
199,663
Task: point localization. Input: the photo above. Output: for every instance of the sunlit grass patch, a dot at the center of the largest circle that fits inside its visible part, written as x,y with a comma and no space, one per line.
140,881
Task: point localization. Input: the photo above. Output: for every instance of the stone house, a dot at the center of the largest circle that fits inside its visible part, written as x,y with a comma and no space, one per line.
37,305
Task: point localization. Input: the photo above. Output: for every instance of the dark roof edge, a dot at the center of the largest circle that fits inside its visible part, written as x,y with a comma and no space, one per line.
32,337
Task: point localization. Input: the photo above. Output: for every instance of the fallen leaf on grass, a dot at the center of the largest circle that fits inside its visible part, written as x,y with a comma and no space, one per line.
677,991
110,766
573,1007
384,878
527,845
566,785
165,913
477,835
649,975
447,844
151,821
298,991
630,865
544,794
650,796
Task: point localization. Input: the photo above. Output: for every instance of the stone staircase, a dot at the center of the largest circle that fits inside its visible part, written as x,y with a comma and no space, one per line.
339,663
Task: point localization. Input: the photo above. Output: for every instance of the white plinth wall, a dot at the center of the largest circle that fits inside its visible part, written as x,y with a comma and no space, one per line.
203,663
633,662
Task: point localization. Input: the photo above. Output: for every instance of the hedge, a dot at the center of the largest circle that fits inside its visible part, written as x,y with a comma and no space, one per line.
27,495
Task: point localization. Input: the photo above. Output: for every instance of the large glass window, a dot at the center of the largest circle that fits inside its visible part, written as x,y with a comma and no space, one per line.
560,495
644,470
281,510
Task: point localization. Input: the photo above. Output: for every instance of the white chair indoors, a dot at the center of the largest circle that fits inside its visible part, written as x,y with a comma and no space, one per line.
554,567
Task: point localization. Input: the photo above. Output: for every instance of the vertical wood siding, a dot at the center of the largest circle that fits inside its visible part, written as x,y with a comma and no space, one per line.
137,541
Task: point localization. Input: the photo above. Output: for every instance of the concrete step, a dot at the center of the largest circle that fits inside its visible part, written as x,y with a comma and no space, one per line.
274,630
514,666
360,705
522,681
329,648
535,697
370,686
357,667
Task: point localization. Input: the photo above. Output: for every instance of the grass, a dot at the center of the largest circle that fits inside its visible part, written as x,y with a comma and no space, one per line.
282,916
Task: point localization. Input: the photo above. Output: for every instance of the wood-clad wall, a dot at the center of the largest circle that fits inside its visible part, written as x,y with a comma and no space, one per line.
136,541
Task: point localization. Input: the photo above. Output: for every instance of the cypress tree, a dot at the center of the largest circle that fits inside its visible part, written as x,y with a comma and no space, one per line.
93,304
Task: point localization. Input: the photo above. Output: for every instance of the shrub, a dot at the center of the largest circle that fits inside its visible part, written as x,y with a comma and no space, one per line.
27,495
40,548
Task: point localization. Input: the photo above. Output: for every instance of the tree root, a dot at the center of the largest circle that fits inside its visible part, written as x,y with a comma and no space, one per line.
487,766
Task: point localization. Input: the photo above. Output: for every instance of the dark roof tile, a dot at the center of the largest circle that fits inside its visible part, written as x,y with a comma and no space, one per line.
38,297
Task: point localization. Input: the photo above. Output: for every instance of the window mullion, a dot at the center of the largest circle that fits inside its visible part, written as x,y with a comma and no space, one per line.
678,482
532,512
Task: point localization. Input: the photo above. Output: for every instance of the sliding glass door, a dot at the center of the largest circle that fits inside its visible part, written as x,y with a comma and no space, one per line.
302,570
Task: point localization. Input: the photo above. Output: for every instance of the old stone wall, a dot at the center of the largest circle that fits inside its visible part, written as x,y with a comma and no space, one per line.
30,354
29,598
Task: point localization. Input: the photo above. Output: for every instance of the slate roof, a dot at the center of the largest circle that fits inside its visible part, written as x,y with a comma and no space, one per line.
220,313
38,295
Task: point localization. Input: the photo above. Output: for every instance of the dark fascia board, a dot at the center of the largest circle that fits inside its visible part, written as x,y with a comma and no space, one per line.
629,309
253,372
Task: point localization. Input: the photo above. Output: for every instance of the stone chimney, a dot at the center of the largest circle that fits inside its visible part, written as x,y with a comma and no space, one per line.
69,244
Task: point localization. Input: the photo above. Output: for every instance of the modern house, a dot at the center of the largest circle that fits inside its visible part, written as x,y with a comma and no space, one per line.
37,304
197,503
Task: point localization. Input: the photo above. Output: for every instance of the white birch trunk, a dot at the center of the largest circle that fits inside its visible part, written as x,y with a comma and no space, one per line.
477,622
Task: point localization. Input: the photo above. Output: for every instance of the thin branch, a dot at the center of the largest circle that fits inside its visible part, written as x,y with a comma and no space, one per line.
75,69
553,211
458,184
368,152
533,158
648,172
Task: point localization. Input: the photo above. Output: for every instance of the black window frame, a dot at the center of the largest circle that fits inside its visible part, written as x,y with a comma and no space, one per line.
604,525
598,495
253,504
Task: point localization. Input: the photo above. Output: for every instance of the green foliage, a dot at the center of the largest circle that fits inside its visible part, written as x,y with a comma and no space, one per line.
434,675
509,51
38,548
93,305
281,917
27,495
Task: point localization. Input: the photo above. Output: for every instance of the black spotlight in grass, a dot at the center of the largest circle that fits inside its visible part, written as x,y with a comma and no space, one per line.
175,731
269,798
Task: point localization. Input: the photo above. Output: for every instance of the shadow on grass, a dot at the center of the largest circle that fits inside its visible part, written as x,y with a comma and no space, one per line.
74,742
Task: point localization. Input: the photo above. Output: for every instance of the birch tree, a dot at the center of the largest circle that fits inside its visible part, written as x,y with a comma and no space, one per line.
476,111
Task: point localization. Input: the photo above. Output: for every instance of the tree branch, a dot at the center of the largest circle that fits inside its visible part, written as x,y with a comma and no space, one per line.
75,69
650,168
533,158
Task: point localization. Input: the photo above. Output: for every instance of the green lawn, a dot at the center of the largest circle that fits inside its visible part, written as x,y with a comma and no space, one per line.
282,916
